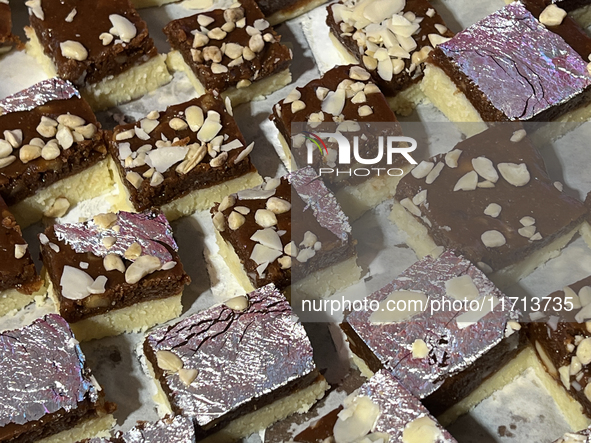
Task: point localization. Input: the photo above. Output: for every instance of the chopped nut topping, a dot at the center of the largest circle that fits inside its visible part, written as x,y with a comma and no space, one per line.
35,8
528,221
468,182
485,168
527,231
133,252
434,173
239,303
493,210
168,361
364,110
106,38
7,161
493,239
552,15
134,178
515,174
256,43
277,205
244,83
284,262
422,170
178,124
20,250
408,204
144,265
235,220
205,20
265,218
451,158
104,221
122,27
227,202
29,153
219,222
187,376
297,105
73,50
217,34
212,53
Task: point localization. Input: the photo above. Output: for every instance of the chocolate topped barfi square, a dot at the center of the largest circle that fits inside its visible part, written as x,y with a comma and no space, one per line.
343,100
492,200
47,388
561,335
237,367
234,51
18,276
440,328
510,66
380,409
392,40
183,159
284,231
7,39
103,48
115,273
52,151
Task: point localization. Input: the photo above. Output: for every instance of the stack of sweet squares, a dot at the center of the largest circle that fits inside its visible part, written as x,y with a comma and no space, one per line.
480,217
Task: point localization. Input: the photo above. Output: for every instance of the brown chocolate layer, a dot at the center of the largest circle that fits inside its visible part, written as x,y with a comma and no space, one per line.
456,219
175,184
20,180
19,273
118,293
7,39
333,249
87,25
559,333
404,79
271,59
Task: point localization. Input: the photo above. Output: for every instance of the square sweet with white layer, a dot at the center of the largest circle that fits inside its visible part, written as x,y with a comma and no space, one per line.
104,48
392,40
290,232
115,273
381,410
234,51
237,367
183,159
492,200
441,328
511,66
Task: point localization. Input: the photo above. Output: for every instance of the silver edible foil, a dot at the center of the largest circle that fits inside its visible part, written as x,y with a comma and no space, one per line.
312,190
151,230
38,94
398,407
42,372
239,356
522,67
452,349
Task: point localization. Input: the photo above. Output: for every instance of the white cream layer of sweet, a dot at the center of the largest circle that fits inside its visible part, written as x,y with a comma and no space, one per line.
418,238
111,91
12,300
136,318
402,103
87,184
95,427
255,91
140,4
445,95
355,200
197,200
321,283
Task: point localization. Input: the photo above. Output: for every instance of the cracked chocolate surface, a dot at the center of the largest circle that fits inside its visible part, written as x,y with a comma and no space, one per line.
511,63
242,358
45,382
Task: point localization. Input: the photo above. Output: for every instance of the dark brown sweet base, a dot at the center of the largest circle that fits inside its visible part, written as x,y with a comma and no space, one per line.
7,39
286,7
86,26
554,342
274,57
458,386
403,80
57,422
251,406
321,429
15,273
19,181
158,285
202,176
